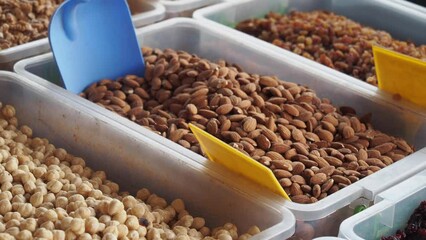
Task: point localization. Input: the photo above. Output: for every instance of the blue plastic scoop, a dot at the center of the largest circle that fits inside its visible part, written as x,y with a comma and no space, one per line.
92,40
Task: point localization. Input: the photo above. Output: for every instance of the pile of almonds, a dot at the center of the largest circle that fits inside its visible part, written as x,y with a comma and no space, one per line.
313,148
47,193
22,21
329,39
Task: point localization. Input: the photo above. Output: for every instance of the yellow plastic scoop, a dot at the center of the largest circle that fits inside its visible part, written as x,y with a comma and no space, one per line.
401,74
222,153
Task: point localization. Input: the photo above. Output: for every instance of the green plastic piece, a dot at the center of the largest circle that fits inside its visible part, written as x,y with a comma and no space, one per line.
359,208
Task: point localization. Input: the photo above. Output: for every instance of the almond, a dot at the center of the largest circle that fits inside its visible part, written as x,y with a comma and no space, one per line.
249,124
268,81
212,127
232,136
224,109
341,179
325,135
269,134
282,164
320,160
318,178
375,162
348,132
284,132
158,70
403,145
327,185
316,191
177,135
263,142
130,82
280,147
281,173
207,113
301,199
285,182
117,101
290,109
258,100
191,109
298,135
333,161
298,179
311,137
274,155
329,118
298,168
295,190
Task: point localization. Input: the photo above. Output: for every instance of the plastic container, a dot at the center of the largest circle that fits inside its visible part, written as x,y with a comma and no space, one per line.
392,16
390,212
213,43
144,13
135,161
184,8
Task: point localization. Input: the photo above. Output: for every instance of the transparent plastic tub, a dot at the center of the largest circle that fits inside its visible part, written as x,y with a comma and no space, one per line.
392,16
135,161
213,43
390,212
144,12
184,8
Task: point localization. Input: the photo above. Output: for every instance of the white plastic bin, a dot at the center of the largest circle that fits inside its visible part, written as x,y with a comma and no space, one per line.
392,16
135,161
212,43
143,13
390,212
184,8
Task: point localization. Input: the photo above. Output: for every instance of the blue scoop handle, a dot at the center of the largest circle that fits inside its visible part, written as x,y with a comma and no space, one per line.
92,40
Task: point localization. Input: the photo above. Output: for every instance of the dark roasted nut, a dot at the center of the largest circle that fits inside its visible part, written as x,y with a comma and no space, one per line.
330,39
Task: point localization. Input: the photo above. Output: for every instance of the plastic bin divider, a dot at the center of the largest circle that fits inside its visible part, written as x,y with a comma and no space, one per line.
385,206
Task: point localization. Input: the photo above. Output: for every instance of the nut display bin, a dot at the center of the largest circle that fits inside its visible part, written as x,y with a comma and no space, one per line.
388,15
184,8
143,13
390,212
135,161
213,43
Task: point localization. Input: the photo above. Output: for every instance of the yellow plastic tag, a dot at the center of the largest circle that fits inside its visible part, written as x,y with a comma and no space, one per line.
220,152
401,74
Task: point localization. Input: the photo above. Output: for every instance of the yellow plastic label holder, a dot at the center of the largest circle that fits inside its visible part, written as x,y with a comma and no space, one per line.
401,74
234,160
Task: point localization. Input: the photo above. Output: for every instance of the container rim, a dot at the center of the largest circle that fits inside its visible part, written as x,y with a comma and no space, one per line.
411,5
184,5
158,13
